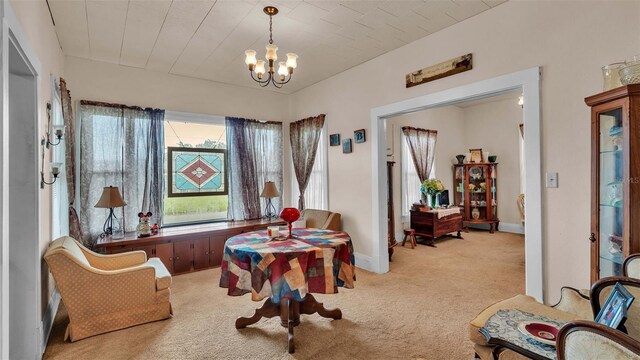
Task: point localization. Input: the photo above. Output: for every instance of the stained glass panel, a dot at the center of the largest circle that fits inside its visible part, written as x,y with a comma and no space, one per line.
197,172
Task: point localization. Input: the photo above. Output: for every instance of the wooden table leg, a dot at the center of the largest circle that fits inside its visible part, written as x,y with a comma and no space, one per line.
290,323
267,310
311,306
289,312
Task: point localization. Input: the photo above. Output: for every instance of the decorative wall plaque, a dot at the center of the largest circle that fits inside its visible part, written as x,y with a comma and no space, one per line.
439,71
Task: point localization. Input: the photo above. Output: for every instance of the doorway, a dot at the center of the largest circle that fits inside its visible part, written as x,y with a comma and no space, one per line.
23,206
528,82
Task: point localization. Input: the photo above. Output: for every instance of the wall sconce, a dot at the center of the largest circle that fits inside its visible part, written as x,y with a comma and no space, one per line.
55,171
58,131
521,100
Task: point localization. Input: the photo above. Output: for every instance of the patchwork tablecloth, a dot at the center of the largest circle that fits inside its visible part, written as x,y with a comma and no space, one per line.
315,261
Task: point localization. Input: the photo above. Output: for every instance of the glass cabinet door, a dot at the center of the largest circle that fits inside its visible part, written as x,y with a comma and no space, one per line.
459,186
477,192
611,193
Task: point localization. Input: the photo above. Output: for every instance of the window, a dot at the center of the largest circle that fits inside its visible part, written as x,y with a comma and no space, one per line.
203,134
60,199
316,196
410,180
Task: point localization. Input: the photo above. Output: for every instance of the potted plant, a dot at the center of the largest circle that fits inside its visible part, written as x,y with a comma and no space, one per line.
432,187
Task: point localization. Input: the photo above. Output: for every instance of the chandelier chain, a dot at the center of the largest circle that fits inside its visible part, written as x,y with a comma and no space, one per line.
270,29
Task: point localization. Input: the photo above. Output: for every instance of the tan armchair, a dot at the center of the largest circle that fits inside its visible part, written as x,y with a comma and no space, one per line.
322,219
104,293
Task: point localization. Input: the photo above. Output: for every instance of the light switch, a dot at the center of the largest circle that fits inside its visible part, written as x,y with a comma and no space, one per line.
552,179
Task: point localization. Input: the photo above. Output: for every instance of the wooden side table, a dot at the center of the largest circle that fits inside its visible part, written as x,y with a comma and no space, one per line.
427,224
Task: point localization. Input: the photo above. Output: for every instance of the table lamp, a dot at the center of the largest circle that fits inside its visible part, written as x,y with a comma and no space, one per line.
269,191
110,199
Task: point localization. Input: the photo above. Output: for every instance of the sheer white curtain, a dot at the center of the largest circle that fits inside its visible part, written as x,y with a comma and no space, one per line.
410,181
316,196
60,199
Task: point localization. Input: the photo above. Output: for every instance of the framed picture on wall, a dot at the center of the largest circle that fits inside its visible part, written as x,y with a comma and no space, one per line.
334,140
475,155
346,146
359,136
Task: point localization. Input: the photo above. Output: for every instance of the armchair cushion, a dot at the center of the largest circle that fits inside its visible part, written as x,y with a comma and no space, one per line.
163,277
321,219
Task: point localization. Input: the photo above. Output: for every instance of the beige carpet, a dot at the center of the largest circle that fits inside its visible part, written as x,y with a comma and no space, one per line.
420,309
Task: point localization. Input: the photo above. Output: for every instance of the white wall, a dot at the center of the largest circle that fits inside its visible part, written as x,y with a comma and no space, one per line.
494,127
36,23
569,40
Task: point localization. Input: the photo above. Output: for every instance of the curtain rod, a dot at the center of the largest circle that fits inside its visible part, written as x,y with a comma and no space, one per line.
419,129
117,106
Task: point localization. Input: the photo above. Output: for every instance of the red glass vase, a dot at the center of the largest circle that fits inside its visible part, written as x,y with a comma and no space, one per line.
290,215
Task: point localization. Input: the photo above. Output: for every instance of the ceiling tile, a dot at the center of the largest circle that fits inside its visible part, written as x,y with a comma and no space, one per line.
182,21
71,27
143,25
106,21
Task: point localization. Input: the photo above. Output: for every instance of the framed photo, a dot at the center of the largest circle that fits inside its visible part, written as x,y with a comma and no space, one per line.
346,146
334,140
614,311
444,198
359,136
475,155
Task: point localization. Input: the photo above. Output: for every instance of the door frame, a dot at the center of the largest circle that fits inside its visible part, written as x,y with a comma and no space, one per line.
529,82
12,32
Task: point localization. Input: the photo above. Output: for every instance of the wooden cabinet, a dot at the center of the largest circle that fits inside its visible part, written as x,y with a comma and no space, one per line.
615,179
187,248
476,191
165,253
427,224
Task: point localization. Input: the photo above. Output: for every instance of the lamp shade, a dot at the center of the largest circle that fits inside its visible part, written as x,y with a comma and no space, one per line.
270,190
110,198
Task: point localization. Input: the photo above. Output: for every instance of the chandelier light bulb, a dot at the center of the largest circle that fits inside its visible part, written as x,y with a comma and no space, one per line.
260,68
250,58
271,52
282,70
292,60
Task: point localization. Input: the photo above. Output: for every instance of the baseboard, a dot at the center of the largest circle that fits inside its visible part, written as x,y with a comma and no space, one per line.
364,262
48,316
504,227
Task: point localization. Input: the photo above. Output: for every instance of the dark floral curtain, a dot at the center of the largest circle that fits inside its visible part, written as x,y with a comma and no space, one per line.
254,153
75,230
422,146
304,136
120,146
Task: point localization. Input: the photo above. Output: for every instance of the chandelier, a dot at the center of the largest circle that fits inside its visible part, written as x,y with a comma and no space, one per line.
285,69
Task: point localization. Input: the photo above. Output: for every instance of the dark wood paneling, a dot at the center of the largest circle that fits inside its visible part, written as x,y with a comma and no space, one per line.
165,253
201,252
149,249
216,250
182,256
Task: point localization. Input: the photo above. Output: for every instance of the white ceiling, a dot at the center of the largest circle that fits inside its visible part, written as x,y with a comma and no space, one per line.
206,39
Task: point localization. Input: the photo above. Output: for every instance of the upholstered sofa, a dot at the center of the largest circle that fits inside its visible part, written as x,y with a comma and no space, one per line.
322,219
581,338
104,293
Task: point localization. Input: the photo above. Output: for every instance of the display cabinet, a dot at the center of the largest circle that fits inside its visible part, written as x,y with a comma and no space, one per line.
476,191
615,179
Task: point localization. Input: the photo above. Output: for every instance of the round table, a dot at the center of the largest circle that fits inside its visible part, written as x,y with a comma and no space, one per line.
286,272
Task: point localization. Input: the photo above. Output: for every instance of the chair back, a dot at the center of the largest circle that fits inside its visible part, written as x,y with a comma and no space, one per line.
69,247
631,266
579,340
321,219
601,290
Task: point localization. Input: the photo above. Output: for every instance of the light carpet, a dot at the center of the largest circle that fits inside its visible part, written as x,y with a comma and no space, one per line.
419,310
